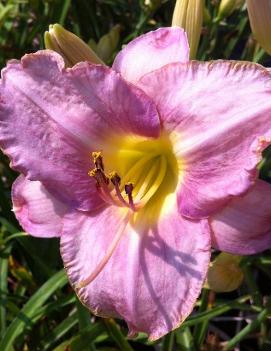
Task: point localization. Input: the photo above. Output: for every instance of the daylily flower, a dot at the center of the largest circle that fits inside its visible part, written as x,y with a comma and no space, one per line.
138,169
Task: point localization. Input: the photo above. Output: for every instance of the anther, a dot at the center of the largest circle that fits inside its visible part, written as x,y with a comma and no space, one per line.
93,173
99,175
98,160
129,188
115,178
129,192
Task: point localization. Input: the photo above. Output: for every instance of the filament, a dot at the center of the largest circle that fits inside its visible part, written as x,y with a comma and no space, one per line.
156,184
136,170
142,188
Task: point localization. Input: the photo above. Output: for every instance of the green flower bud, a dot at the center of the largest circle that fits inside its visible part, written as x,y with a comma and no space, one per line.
108,43
69,46
224,273
227,7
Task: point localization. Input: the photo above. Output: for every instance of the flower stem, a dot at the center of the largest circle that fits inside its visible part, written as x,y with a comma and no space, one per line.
201,329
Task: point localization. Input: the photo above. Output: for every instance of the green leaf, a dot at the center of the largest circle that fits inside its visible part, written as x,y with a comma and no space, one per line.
201,328
87,336
84,320
249,328
40,265
185,340
83,315
168,342
117,335
56,282
3,287
64,11
216,311
64,346
45,310
59,331
4,12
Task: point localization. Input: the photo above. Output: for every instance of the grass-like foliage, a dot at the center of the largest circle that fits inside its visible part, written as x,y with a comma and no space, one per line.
38,308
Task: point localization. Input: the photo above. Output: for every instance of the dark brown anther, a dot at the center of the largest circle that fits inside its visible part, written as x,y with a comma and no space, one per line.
129,190
98,160
115,178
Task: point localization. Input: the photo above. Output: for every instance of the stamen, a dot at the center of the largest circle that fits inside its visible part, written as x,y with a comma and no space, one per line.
146,184
99,176
102,182
115,179
98,160
106,195
142,188
107,255
136,170
129,190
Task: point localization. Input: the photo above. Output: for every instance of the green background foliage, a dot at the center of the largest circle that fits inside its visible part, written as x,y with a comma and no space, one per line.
38,308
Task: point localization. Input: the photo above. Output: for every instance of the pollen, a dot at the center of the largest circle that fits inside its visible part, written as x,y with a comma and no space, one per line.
98,160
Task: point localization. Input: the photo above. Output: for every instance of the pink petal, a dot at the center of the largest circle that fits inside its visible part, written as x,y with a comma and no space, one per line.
244,226
218,113
152,279
151,51
39,212
52,118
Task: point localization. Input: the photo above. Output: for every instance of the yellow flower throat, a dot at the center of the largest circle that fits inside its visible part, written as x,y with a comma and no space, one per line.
136,173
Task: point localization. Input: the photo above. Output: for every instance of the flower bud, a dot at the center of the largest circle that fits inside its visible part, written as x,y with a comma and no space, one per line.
227,7
224,274
152,4
108,43
69,46
260,21
188,14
